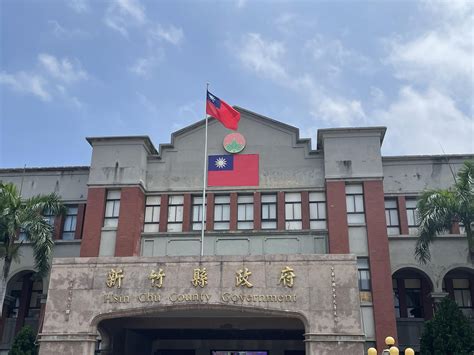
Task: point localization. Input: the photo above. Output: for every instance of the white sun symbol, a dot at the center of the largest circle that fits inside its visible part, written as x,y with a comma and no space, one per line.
221,163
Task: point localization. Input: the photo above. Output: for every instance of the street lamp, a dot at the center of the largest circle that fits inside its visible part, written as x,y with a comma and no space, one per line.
392,350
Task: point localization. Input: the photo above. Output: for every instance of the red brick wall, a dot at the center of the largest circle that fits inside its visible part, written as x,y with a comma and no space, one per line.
281,210
402,215
210,212
305,209
187,212
233,211
81,210
379,258
130,223
163,213
337,217
257,211
58,227
93,221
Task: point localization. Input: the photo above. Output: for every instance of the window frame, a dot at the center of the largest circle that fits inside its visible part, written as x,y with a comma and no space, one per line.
74,215
241,222
268,206
112,220
178,208
392,228
149,225
293,222
355,204
220,223
196,224
316,203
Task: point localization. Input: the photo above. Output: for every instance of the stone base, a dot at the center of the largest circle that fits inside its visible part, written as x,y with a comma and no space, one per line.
67,344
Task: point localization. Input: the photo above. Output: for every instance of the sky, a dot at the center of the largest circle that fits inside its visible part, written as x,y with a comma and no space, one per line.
72,69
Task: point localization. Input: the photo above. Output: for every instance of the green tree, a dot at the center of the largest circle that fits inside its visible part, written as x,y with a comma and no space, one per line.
27,216
448,333
438,209
24,342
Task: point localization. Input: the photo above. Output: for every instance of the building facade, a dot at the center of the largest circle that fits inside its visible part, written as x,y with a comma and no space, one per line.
306,251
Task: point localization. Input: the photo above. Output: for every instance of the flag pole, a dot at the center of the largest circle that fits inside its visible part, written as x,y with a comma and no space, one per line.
204,179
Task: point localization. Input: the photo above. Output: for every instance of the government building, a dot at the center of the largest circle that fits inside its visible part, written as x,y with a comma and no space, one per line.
305,251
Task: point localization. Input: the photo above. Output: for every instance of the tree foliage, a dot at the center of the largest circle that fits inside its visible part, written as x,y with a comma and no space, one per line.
24,342
27,216
448,333
438,209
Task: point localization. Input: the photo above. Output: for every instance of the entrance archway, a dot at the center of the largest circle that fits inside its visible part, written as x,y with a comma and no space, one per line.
203,331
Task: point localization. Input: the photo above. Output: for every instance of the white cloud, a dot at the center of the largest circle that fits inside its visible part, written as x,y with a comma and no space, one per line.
338,111
440,55
172,34
121,14
262,57
425,121
144,66
80,6
50,80
145,102
62,32
63,70
26,83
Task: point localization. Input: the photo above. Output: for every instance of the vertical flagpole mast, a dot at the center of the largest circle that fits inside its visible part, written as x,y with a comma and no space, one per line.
204,179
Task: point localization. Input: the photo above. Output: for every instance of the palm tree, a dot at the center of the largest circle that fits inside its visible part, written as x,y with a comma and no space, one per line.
26,216
438,209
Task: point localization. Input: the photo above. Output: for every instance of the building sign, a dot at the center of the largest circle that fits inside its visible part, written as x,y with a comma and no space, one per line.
116,277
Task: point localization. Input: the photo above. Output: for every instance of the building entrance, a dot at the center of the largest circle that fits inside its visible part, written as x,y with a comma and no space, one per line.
202,332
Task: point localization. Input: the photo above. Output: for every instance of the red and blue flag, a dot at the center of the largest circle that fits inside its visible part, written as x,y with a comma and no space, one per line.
233,170
223,112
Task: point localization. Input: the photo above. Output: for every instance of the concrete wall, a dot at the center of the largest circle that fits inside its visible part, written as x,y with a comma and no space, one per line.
447,253
69,183
324,296
412,175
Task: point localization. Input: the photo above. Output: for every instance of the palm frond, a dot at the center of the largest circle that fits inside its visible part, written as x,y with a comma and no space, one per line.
436,211
45,203
39,233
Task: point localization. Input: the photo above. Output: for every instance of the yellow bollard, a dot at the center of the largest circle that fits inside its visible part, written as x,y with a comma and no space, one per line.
394,350
372,351
409,351
389,341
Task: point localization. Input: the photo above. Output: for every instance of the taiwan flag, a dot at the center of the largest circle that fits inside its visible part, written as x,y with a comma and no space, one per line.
223,112
233,170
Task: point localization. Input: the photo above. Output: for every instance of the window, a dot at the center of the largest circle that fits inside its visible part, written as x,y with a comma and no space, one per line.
317,210
35,300
396,298
413,298
175,213
391,216
49,217
269,211
70,221
245,212
221,212
462,296
462,229
197,213
152,214
22,237
293,219
112,208
355,204
412,215
364,274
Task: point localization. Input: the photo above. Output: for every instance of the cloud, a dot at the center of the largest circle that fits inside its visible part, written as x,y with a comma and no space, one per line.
261,56
122,14
144,66
63,69
145,102
79,6
50,80
424,121
440,55
172,34
62,32
338,111
26,83
266,58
